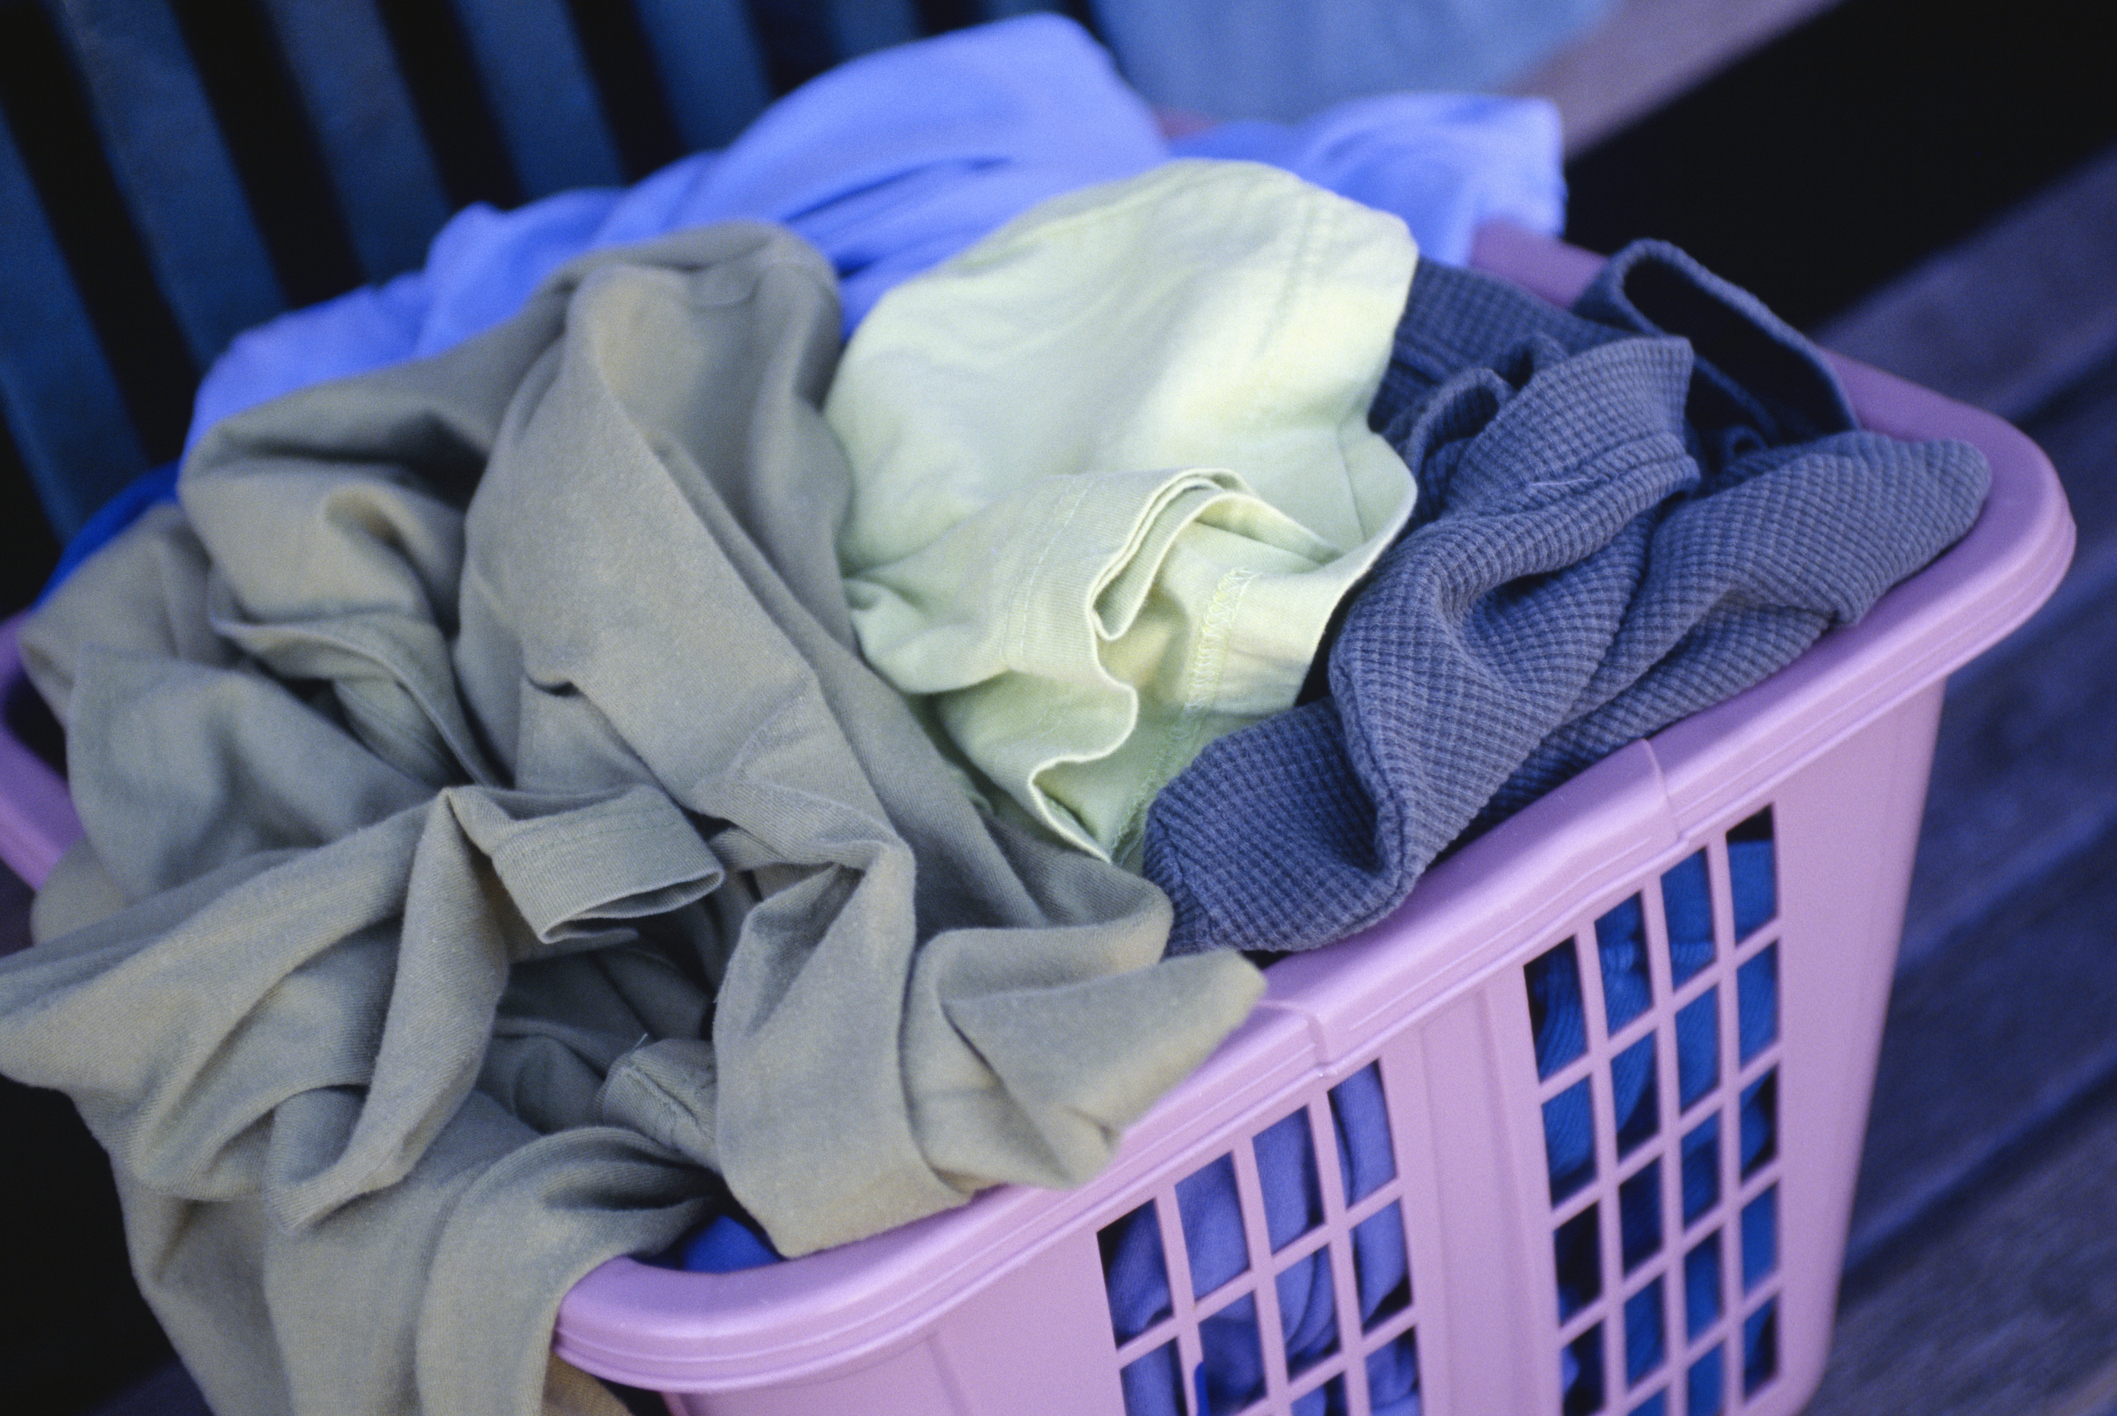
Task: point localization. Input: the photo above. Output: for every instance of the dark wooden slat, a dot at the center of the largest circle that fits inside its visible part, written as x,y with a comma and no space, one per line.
542,97
61,402
87,1334
361,111
940,16
1988,1039
28,549
2009,1306
1853,147
628,85
1008,9
2012,316
173,168
272,144
2026,767
858,26
437,67
711,67
55,133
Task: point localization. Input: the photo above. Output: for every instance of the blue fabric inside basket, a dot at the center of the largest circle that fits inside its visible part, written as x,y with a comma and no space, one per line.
1232,1369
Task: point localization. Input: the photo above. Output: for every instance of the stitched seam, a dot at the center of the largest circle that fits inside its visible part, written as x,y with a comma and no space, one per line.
1201,689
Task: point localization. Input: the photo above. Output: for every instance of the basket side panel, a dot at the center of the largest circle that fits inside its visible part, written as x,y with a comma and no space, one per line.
910,1382
1848,831
1482,1332
1036,1342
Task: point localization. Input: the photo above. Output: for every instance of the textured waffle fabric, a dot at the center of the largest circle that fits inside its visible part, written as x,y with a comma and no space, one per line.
1627,513
1112,474
491,827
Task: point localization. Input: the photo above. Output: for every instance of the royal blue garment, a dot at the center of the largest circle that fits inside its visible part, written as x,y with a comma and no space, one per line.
726,1245
1209,1212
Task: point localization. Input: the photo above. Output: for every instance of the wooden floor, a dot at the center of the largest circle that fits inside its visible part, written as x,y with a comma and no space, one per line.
1982,1273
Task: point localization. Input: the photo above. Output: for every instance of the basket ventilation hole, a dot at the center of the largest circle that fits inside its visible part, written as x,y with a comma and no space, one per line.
1760,1348
1760,1122
1233,1372
1393,1377
1655,1405
1286,1168
1698,1048
1687,905
1308,1312
1646,1334
1366,1158
1569,1140
1575,1247
1556,1012
1639,1215
1760,1238
1326,1400
1752,873
1135,1276
1580,1373
1701,1169
1701,1286
1212,1225
1707,1386
1635,1095
1153,1383
1757,989
1621,943
1381,1267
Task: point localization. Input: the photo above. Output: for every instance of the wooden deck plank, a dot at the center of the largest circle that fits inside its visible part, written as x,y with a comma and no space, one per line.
2010,317
2010,1307
1649,51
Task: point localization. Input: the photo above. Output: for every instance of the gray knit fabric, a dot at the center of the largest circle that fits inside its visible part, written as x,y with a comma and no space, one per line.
1626,513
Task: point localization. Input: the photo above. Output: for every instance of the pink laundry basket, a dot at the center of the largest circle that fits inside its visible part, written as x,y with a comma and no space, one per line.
1683,1262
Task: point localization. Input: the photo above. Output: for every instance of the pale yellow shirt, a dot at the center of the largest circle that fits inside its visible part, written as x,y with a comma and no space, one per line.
1113,473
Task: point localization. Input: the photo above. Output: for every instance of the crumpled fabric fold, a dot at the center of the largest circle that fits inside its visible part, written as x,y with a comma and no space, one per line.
1112,474
1628,512
490,823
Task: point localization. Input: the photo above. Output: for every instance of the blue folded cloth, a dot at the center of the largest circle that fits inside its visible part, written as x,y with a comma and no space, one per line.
1626,514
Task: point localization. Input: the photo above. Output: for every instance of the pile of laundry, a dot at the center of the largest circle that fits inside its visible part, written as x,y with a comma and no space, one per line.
592,748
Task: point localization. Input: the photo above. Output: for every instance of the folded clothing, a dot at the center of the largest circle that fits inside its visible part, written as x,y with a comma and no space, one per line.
1112,474
1627,512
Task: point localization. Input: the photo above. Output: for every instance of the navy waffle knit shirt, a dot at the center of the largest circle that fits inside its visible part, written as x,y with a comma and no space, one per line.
1627,512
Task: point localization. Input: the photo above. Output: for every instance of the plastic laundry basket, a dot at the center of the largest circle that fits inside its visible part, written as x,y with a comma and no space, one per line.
1703,925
